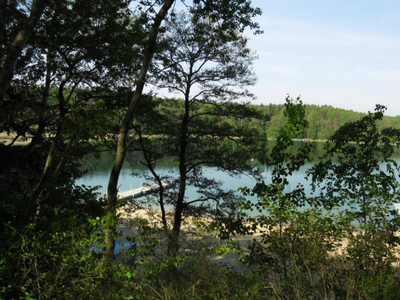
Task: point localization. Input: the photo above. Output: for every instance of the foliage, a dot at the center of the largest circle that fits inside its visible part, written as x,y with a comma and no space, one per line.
323,120
365,167
317,251
42,264
71,93
68,81
310,246
64,54
363,183
57,100
210,72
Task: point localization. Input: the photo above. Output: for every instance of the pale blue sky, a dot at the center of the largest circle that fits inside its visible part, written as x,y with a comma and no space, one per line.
340,53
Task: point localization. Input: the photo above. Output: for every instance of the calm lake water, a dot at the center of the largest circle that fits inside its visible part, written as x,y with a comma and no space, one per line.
100,172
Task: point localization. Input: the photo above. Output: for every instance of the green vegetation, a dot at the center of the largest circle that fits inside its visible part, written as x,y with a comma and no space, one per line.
341,242
323,121
71,92
207,71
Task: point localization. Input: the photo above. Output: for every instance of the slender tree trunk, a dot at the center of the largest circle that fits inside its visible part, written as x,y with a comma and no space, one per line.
173,242
3,5
112,189
33,203
173,239
38,135
7,71
158,179
53,177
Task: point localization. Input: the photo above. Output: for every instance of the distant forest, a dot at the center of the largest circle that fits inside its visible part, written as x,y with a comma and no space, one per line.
323,120
269,120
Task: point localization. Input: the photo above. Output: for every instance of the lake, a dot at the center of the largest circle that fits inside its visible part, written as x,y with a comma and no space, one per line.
100,172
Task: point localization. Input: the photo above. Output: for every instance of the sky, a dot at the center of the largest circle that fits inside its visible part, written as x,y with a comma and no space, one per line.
344,53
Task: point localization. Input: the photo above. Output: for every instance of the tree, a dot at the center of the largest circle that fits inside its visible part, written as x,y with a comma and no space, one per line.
60,80
83,66
61,98
358,177
360,155
232,16
349,214
209,73
18,43
126,125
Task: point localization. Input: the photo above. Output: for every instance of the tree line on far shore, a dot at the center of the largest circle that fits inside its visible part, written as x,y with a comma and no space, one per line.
323,121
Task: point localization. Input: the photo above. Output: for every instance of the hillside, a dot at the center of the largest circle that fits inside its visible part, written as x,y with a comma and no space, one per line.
323,120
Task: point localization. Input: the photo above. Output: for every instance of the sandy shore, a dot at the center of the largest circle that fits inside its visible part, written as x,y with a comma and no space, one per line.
8,138
192,236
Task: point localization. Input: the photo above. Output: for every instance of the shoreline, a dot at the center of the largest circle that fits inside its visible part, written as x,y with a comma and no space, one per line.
192,236
195,237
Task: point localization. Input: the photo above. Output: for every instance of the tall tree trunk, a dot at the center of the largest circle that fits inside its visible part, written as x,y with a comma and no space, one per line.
7,71
53,177
38,135
3,6
112,190
33,203
173,240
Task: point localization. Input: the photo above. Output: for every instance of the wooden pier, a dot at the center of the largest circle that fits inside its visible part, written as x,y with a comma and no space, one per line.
142,191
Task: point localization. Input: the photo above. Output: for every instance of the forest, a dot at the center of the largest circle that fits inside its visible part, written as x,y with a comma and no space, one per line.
72,85
323,121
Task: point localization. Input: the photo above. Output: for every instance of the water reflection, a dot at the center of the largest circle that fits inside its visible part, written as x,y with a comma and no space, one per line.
99,171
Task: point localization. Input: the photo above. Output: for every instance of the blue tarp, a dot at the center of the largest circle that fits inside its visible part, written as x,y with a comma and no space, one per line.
122,251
